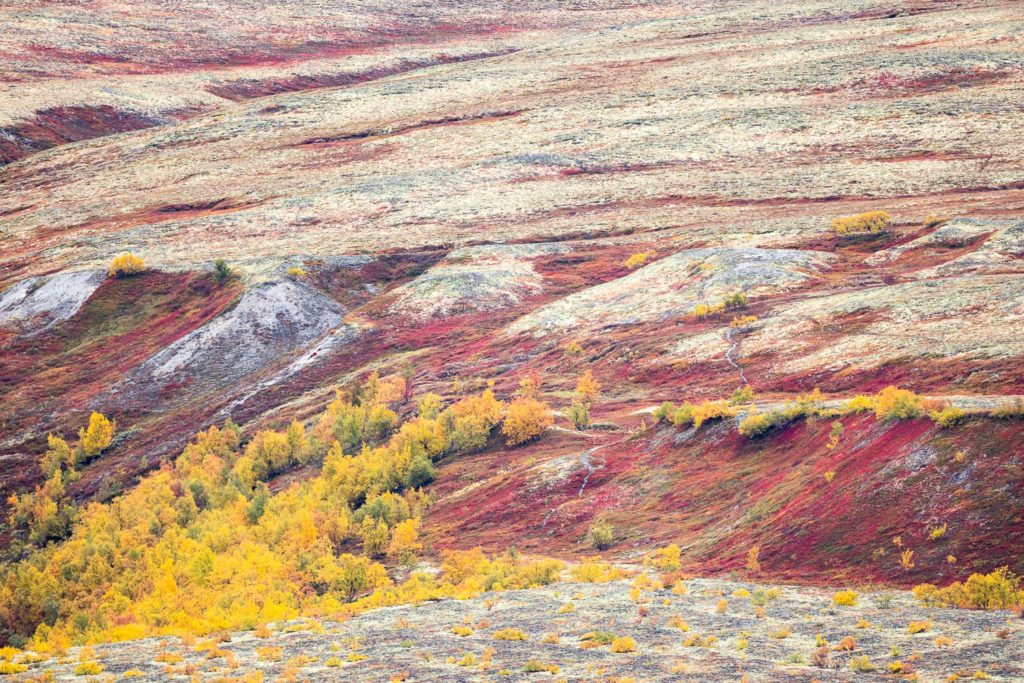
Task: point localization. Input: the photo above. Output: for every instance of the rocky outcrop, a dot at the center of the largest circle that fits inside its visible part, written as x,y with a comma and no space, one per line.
270,322
673,286
38,303
998,247
474,279
970,317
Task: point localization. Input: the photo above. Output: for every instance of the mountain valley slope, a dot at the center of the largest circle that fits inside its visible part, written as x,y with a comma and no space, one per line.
467,196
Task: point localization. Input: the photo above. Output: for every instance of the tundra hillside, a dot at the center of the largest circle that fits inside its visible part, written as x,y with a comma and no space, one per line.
457,341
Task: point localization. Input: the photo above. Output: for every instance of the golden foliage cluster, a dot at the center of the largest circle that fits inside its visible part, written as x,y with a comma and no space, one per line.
126,265
999,589
203,545
867,223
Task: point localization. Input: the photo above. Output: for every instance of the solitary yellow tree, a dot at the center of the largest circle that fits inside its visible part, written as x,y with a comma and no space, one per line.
587,389
58,455
97,437
754,559
405,540
526,419
126,265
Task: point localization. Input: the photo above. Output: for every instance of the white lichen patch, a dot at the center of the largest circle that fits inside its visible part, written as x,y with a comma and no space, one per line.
673,286
38,303
473,279
969,317
1001,248
269,322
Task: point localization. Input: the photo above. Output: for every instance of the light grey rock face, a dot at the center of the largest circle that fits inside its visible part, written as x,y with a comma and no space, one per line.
673,286
416,642
975,316
38,303
474,279
269,322
1001,249
330,344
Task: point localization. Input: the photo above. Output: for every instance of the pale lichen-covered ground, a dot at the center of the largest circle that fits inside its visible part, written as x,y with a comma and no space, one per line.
673,286
731,124
473,279
914,319
728,133
416,643
158,61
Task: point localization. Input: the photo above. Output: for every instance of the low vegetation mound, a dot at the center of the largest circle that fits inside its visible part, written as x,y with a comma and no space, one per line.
126,265
867,223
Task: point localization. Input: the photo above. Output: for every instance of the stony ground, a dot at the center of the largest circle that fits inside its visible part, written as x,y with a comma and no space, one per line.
417,643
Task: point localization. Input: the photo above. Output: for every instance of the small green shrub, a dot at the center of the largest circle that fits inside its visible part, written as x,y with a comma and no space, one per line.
759,424
601,535
742,396
598,638
663,413
947,417
762,596
735,301
221,271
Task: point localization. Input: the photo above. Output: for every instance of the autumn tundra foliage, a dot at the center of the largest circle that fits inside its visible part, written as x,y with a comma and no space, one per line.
126,265
46,513
527,417
204,545
1000,589
890,404
867,223
587,390
688,414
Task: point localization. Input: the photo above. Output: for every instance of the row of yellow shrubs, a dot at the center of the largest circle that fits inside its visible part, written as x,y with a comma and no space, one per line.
998,590
891,403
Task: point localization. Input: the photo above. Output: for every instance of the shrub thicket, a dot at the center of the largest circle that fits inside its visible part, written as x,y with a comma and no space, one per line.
867,223
1000,589
202,545
126,265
